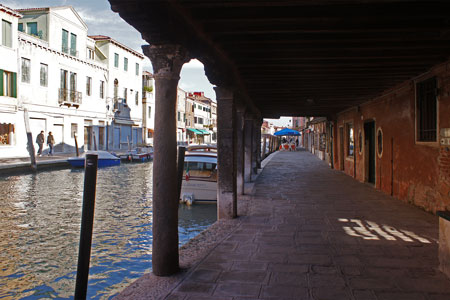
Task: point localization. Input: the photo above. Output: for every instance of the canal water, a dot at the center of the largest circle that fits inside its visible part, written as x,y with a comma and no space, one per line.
40,217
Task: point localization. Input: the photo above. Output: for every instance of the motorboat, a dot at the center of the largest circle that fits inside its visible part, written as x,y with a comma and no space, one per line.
105,159
199,175
139,154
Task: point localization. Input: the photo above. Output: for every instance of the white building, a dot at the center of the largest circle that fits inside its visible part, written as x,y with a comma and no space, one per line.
9,124
70,84
60,86
181,117
124,90
202,121
148,107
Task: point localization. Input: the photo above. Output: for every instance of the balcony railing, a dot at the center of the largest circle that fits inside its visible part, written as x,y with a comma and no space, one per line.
69,98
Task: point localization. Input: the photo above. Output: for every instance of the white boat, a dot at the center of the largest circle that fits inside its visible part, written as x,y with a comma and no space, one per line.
200,175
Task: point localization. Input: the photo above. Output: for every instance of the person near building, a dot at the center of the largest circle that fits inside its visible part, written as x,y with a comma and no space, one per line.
40,141
50,142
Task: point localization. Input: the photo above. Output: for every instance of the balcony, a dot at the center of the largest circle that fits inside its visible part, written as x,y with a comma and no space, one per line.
69,98
70,51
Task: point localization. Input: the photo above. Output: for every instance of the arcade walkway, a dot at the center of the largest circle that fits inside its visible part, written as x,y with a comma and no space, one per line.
315,233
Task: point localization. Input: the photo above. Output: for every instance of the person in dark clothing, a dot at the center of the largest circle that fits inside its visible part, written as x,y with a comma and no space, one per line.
40,141
50,142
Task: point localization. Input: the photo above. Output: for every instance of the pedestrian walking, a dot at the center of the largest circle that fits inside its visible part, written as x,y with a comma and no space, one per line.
50,142
40,141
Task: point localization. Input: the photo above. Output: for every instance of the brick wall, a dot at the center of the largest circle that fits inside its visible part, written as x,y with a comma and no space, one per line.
414,172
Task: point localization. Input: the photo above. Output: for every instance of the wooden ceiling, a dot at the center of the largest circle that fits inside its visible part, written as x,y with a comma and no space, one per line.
306,57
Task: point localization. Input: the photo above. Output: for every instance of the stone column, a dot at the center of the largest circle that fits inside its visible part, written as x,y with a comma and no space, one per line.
240,113
254,147
248,146
258,124
226,154
167,61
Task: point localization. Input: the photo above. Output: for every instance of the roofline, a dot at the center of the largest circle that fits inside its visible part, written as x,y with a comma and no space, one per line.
10,11
113,41
50,8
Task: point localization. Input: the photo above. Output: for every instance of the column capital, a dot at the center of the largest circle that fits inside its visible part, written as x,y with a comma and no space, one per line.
223,93
167,59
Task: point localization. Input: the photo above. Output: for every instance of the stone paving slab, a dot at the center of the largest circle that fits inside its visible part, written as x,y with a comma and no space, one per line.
316,233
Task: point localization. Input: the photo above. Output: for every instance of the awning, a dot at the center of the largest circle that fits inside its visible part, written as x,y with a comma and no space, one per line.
194,130
204,132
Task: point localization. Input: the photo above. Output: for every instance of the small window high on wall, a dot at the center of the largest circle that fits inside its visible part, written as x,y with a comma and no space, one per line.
426,110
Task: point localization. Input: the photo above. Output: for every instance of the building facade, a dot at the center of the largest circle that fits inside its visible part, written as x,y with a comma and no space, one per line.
67,83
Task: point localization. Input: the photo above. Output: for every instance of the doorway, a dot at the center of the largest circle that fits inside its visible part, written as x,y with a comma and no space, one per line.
369,152
341,148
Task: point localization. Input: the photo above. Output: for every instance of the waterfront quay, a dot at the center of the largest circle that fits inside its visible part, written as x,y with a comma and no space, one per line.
309,232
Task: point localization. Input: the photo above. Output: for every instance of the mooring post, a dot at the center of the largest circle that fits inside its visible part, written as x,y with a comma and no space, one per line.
76,144
180,168
87,222
30,145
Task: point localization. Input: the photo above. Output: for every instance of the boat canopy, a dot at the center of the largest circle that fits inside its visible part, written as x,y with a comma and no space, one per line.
200,158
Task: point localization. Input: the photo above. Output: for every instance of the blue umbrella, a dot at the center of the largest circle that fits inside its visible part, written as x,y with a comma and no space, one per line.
287,131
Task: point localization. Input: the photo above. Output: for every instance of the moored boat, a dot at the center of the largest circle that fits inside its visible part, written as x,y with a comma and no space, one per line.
105,159
140,154
200,175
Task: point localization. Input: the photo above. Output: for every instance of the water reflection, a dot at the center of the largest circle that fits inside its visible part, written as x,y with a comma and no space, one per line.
39,231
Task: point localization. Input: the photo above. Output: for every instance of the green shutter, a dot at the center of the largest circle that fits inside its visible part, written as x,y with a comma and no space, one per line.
14,85
1,82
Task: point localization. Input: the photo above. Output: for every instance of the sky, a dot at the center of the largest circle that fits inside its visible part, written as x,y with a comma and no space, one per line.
100,19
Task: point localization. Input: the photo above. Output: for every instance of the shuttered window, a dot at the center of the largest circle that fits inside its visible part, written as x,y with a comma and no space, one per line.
426,110
65,41
8,84
6,34
25,68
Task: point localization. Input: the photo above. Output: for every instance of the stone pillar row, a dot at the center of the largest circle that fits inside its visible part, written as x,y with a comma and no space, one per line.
239,156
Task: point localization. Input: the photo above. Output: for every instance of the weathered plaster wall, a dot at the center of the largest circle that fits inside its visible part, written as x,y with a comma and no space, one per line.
418,173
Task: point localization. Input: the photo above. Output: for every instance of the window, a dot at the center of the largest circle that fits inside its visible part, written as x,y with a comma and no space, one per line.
200,121
179,116
350,140
6,134
8,84
90,53
64,81
32,28
116,60
44,75
125,64
20,27
195,105
25,70
73,129
73,81
426,108
137,69
125,93
380,142
149,111
137,98
6,34
88,85
102,89
65,41
73,44
195,120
